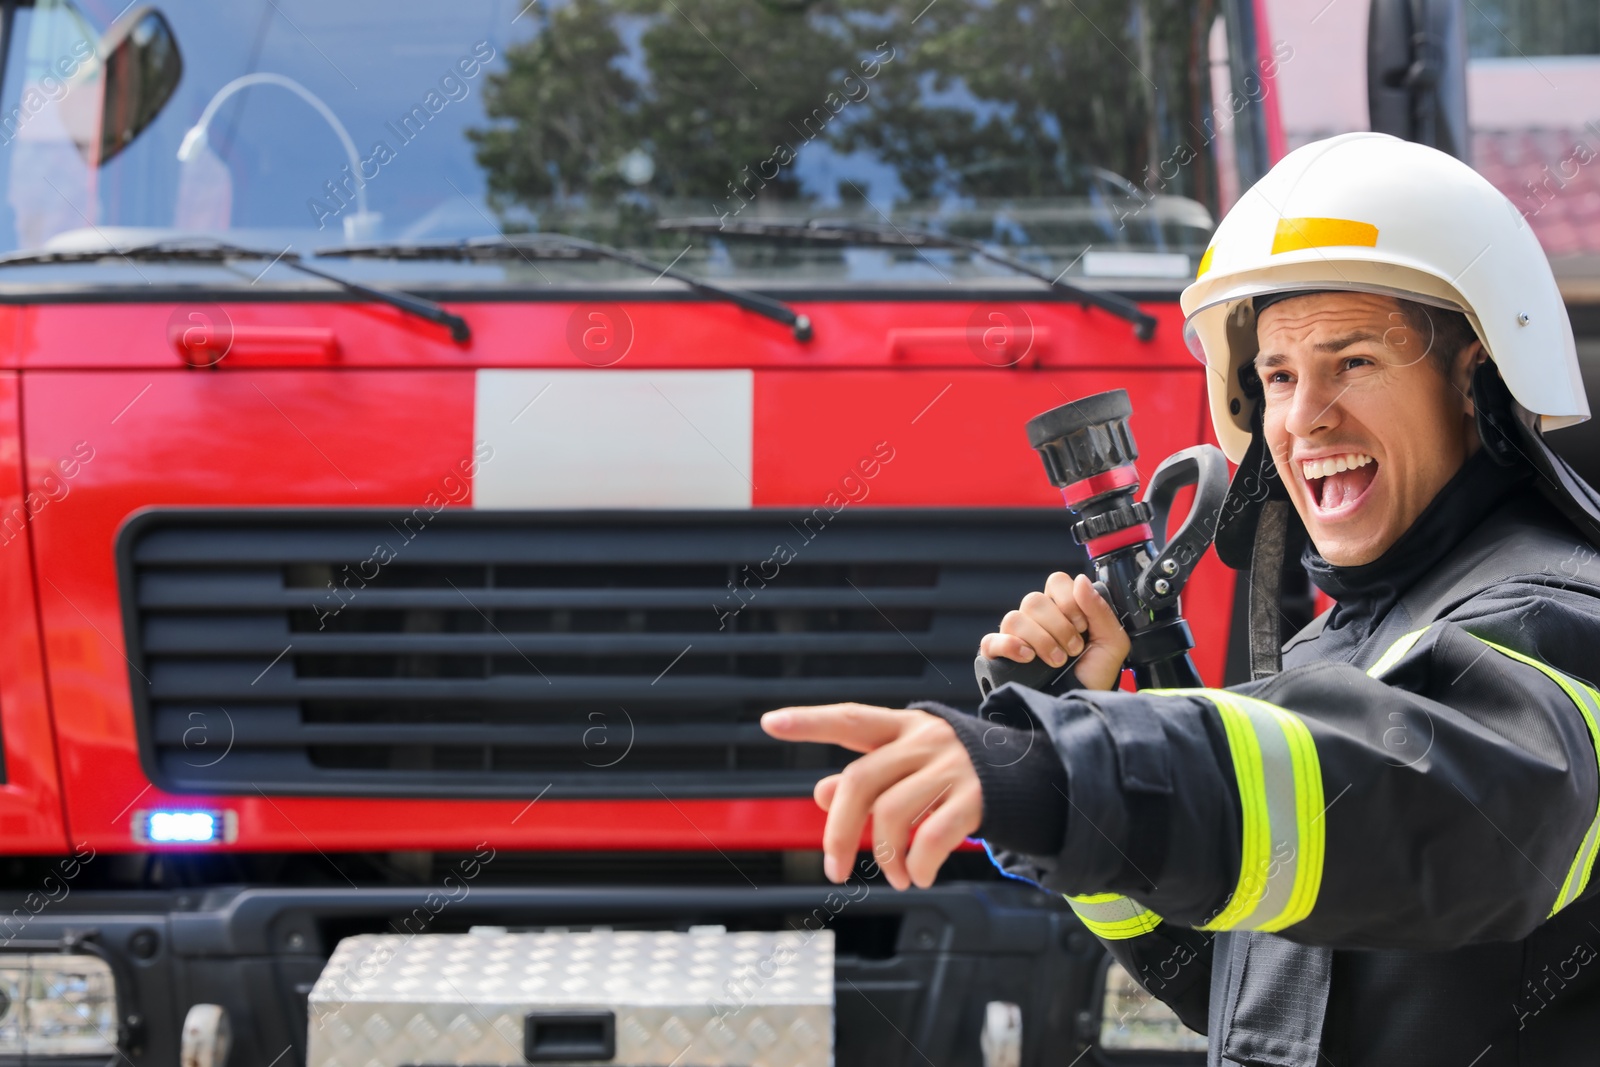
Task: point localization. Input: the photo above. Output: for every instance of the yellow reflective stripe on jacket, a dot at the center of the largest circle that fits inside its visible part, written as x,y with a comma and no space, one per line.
1394,652
1113,917
1283,837
1588,703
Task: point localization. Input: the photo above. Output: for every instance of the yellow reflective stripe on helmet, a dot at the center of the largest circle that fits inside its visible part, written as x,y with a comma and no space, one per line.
1395,651
1295,234
1113,917
1588,702
1283,838
1205,263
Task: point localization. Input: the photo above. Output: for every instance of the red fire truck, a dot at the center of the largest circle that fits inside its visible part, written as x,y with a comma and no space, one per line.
430,435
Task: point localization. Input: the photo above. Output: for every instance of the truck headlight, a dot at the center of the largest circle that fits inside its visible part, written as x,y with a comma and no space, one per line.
1131,1019
57,1006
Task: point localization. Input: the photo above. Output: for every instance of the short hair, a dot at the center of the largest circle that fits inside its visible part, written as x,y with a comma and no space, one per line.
1444,333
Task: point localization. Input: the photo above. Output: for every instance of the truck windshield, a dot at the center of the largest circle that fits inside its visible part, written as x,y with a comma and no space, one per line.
1092,138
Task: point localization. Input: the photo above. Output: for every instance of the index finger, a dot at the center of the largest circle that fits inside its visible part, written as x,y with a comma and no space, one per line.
858,727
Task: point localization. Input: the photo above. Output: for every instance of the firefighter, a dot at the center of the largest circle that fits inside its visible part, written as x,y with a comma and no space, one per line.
1382,853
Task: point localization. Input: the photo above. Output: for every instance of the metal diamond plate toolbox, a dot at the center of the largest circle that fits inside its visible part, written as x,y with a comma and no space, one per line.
701,999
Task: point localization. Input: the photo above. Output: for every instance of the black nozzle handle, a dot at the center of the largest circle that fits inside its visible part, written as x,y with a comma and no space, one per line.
1035,674
1205,468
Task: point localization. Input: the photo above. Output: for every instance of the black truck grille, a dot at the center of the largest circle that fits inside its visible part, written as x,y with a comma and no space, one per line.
368,653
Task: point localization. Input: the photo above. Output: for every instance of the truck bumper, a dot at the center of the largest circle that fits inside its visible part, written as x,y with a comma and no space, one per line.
913,975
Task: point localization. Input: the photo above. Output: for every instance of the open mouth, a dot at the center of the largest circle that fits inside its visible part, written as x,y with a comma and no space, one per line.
1338,483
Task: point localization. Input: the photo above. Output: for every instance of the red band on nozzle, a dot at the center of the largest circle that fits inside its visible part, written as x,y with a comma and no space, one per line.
1096,484
1133,535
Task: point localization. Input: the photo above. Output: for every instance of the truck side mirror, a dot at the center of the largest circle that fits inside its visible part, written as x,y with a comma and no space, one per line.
138,72
1417,72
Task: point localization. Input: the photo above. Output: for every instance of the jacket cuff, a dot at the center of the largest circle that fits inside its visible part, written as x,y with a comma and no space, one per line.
1024,784
1114,802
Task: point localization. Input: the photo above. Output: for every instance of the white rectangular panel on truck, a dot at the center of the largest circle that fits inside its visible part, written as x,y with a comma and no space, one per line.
640,998
614,439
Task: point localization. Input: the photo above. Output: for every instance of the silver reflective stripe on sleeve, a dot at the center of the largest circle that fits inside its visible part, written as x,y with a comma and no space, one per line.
1282,839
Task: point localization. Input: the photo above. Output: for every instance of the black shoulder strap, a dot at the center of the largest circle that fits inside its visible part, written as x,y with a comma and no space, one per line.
1266,583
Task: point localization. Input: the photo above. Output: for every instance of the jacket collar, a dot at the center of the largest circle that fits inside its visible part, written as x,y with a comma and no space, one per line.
1365,593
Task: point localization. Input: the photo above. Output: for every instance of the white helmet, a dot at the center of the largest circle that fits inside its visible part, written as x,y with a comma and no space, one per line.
1366,212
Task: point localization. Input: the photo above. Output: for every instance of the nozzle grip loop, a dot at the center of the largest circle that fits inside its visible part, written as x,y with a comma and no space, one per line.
1205,468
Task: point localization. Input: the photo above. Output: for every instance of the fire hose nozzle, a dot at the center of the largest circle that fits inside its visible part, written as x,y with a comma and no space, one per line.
1088,451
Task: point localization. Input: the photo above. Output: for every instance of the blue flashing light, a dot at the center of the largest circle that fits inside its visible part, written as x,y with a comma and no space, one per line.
187,827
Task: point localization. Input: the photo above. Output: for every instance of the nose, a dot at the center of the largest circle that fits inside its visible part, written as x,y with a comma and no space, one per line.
1314,408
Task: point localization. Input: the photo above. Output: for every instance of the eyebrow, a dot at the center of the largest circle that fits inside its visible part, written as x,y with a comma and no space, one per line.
1275,359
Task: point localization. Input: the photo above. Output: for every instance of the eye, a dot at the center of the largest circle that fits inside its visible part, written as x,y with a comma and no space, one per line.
1277,377
1353,362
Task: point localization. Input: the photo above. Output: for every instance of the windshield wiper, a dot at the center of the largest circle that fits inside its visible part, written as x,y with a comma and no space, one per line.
829,232
207,251
559,246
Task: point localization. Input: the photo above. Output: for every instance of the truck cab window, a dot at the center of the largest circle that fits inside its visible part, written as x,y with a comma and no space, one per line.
1093,140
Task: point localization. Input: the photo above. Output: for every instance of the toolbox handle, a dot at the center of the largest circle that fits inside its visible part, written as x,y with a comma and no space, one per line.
565,1036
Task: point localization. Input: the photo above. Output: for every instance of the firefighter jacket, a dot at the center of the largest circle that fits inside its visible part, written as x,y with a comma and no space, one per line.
1381,855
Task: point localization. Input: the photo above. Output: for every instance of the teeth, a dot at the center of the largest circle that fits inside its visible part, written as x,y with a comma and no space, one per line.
1321,468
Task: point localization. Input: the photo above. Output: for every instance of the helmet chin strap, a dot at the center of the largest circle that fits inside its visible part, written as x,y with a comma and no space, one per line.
1254,529
1497,415
1255,483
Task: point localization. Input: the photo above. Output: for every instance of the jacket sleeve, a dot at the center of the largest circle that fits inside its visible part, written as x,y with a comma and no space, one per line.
1444,796
1024,808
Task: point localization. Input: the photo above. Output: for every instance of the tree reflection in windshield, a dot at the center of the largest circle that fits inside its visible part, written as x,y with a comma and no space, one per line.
1070,131
788,108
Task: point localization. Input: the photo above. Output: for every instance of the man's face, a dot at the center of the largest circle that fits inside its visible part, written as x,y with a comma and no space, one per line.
1364,425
